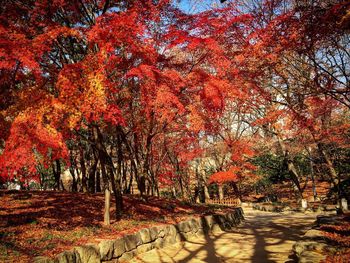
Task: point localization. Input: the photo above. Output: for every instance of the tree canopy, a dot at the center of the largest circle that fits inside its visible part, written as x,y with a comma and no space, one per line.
143,91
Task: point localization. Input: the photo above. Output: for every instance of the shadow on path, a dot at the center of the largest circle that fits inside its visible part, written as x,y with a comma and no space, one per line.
262,237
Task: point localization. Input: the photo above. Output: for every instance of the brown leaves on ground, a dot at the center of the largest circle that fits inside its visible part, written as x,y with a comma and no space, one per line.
338,235
46,223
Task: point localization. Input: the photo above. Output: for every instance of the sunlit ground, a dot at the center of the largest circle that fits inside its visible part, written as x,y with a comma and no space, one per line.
263,237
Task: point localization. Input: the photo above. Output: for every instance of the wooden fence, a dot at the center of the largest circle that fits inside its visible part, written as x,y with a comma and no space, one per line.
225,201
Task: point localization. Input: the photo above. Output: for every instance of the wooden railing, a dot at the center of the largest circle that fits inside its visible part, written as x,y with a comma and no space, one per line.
225,201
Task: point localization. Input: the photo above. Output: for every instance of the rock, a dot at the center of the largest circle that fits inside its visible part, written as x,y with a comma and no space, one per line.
66,257
127,256
184,226
158,243
208,221
145,235
87,254
170,239
302,246
132,241
180,237
328,220
218,219
344,204
119,247
195,224
311,257
320,209
161,232
287,208
156,232
106,248
144,248
171,231
235,219
153,233
314,235
43,260
200,233
216,228
329,207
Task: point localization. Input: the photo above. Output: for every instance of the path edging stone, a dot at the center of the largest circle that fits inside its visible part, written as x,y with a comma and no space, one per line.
285,208
313,245
125,248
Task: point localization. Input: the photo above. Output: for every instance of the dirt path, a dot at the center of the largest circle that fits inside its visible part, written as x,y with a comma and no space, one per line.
262,237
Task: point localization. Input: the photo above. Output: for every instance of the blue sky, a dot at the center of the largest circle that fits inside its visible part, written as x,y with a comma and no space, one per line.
195,6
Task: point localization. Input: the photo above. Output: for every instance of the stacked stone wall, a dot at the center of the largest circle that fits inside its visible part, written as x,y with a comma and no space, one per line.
127,247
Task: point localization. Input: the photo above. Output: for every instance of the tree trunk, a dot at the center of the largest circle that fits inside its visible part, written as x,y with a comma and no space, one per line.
204,185
182,188
83,171
206,193
92,172
98,182
221,191
74,182
312,172
57,174
107,162
291,167
129,185
106,214
117,191
236,190
332,172
72,172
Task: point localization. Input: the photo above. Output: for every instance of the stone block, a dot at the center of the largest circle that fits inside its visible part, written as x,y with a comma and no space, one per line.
132,241
153,233
156,232
87,254
106,248
314,234
180,237
170,239
302,246
311,257
200,233
171,231
144,248
184,226
66,257
127,256
216,228
161,232
145,235
195,222
43,260
344,204
119,247
159,243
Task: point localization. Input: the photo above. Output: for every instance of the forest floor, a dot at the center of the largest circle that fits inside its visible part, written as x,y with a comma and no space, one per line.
47,223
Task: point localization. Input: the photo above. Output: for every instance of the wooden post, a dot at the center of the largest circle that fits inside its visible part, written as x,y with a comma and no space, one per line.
106,217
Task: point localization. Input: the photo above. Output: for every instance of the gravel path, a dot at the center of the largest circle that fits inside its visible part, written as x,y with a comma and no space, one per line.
262,237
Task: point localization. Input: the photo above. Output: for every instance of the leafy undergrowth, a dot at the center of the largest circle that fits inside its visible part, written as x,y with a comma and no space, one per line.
47,223
338,235
285,193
